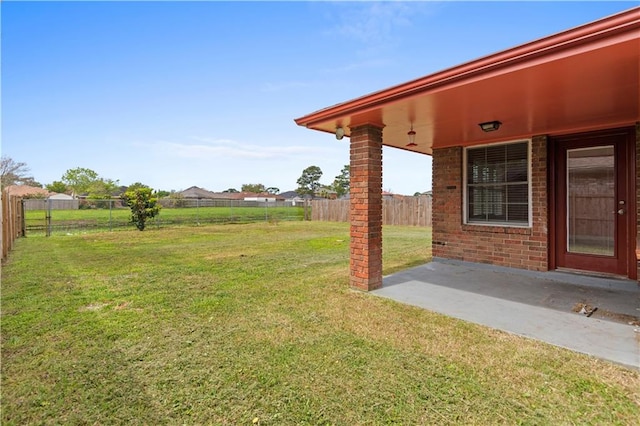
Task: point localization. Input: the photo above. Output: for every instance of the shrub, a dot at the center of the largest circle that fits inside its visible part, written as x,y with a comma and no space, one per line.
143,205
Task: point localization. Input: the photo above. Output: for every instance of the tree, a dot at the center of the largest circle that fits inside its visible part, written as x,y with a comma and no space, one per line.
79,180
86,181
56,186
272,190
103,189
143,204
309,182
15,173
256,188
308,185
136,186
231,190
341,184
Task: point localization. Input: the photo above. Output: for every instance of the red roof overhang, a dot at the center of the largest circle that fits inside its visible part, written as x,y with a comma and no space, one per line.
582,79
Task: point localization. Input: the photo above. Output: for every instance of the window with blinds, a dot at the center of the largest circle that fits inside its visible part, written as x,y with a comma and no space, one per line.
498,184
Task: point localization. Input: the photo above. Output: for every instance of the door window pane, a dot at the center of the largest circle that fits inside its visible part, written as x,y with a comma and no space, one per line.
591,201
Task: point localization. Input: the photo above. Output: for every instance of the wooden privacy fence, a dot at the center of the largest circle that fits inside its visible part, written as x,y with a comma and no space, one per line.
12,221
410,211
51,204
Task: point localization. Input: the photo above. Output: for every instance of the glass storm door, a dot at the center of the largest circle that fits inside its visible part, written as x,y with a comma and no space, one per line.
591,204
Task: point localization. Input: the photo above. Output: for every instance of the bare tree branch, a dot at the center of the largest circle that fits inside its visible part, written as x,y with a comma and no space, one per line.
13,173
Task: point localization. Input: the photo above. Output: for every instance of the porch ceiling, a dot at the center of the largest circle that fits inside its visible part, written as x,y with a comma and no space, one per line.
582,79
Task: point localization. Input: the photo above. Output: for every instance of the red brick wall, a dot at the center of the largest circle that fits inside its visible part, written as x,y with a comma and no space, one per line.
638,197
525,248
366,207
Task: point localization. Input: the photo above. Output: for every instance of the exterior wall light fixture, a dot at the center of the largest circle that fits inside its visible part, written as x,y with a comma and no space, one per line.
490,126
411,135
339,133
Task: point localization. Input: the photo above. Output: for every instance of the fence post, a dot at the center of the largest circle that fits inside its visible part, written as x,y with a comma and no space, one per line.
23,221
110,210
198,211
47,202
266,210
4,199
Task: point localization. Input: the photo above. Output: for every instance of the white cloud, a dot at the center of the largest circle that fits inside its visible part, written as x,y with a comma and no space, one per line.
374,22
210,149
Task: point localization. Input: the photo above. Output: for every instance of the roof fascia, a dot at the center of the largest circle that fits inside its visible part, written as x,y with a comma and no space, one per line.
563,43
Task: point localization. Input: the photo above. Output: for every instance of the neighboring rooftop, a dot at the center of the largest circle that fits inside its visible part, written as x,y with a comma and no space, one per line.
26,191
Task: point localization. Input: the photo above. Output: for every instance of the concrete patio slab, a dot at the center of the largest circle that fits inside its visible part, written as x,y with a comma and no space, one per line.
537,305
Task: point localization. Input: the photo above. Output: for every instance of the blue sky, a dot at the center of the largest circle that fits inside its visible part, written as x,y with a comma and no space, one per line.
175,94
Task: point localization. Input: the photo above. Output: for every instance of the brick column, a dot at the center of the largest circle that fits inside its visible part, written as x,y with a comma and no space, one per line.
366,207
538,243
446,219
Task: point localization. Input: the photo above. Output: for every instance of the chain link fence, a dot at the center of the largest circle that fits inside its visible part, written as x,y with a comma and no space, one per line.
48,217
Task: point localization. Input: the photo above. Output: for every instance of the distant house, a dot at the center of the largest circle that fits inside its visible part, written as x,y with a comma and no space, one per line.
34,197
209,198
56,196
195,192
329,194
26,191
264,197
41,199
293,198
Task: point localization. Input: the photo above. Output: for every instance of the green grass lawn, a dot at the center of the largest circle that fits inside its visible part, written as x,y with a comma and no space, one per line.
64,221
255,324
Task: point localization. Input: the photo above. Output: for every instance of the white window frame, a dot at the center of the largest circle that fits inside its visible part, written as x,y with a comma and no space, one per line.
465,207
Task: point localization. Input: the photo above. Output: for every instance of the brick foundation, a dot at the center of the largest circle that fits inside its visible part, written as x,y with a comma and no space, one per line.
525,248
366,207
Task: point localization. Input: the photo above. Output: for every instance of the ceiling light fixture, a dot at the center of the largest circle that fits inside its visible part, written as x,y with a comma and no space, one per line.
490,126
411,135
